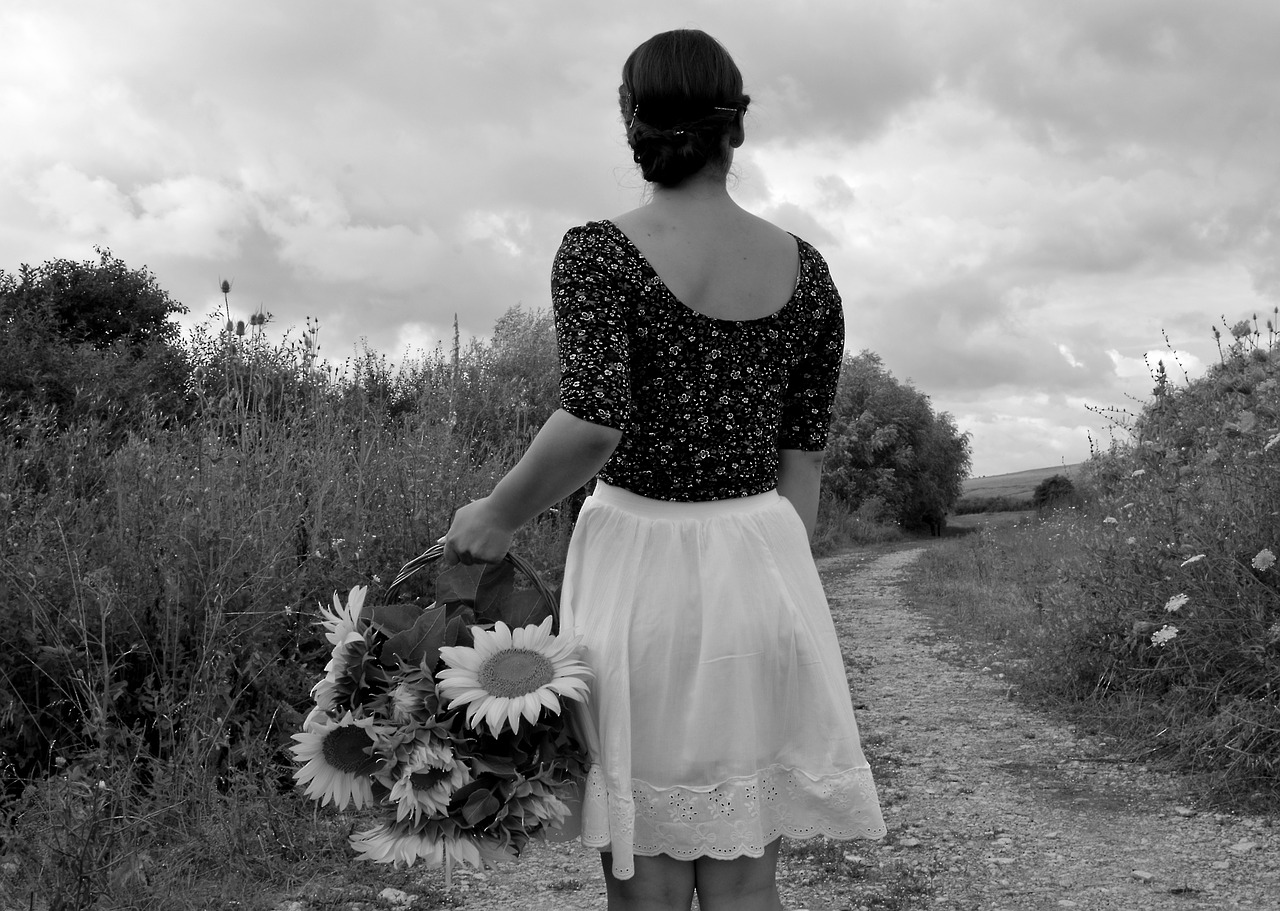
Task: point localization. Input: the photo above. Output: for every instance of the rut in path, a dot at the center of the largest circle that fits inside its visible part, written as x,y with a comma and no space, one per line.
1004,806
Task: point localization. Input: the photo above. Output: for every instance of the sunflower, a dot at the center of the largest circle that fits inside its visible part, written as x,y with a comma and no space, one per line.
508,674
341,623
401,844
340,756
426,779
412,696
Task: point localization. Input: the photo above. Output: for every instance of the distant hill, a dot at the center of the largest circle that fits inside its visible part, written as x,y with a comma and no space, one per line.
1017,484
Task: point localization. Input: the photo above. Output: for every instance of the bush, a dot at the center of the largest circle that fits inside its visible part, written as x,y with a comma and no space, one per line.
1054,492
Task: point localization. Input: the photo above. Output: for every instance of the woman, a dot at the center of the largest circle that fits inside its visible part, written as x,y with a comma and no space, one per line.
700,347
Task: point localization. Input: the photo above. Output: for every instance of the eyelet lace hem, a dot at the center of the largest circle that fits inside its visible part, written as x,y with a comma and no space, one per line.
736,818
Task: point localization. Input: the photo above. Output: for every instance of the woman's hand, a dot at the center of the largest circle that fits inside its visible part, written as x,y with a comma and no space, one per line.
476,535
566,453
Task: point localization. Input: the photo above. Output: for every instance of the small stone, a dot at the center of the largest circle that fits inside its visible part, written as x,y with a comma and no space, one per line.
1221,864
1067,903
1003,861
397,898
909,842
1184,811
1142,876
1242,847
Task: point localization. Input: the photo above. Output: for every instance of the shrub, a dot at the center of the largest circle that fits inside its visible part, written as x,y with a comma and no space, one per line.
1053,492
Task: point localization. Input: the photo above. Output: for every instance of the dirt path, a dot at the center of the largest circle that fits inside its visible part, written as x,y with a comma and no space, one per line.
991,805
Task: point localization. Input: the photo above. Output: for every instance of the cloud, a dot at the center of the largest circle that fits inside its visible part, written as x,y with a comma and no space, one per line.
1006,192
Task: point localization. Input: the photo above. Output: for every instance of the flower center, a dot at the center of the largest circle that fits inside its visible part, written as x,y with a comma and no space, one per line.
346,749
429,778
516,672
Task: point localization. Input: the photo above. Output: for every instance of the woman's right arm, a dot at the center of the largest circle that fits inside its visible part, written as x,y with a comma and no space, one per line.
566,453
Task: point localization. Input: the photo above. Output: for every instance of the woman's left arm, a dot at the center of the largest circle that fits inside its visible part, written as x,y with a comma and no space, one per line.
566,453
800,480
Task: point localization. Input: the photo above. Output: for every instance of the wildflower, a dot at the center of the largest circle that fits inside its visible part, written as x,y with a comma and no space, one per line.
1164,635
1174,603
1110,520
1264,560
509,674
1139,473
1196,559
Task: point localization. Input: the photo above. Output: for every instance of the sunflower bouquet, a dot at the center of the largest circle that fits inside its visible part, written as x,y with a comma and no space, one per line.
447,717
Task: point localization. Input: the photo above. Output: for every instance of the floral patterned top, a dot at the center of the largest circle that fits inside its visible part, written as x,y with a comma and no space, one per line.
704,404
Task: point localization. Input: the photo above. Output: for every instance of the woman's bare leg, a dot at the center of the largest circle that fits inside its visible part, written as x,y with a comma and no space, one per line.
743,884
661,884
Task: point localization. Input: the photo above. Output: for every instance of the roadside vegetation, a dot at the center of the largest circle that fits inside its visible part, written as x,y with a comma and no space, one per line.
173,510
1145,597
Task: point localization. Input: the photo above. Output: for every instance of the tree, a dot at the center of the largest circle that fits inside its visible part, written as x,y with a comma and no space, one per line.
84,338
1054,491
100,304
887,444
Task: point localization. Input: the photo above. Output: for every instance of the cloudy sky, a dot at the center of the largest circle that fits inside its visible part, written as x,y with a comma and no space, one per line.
1016,197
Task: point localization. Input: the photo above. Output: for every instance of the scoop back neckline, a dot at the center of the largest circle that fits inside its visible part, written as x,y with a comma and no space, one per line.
786,305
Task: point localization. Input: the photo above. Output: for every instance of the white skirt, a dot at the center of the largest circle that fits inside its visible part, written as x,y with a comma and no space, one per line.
719,718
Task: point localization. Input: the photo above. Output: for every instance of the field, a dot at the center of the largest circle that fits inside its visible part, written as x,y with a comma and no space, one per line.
1017,485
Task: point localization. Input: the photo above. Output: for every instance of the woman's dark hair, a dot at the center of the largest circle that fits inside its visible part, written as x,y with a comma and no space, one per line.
681,93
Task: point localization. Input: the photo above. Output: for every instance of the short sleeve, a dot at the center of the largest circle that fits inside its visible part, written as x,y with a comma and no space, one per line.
806,409
589,306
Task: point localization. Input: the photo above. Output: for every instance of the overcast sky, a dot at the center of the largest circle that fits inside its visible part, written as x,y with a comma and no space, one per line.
1016,197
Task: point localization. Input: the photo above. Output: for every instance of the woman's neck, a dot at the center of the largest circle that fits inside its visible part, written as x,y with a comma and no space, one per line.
701,189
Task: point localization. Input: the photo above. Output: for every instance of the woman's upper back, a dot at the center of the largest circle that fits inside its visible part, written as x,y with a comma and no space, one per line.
723,263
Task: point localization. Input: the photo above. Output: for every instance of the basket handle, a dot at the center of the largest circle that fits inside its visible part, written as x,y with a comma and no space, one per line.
436,551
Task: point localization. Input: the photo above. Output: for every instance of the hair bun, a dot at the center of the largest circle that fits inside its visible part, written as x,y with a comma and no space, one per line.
681,93
669,156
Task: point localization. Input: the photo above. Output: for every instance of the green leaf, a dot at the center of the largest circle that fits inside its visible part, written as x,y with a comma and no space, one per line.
496,585
458,628
481,804
459,583
390,619
421,642
524,607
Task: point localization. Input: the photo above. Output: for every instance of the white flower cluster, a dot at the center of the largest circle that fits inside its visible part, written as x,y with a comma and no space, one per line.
1264,560
1164,635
